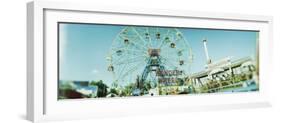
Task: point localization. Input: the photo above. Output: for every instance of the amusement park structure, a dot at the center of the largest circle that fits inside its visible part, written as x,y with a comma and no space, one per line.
225,75
148,61
138,53
161,58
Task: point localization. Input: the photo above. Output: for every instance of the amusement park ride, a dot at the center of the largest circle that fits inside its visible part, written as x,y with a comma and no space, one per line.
138,53
161,57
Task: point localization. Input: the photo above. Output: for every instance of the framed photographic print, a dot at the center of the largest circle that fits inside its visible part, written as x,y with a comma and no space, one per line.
96,61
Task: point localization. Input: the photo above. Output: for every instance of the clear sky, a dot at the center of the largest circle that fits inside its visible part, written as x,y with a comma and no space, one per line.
84,47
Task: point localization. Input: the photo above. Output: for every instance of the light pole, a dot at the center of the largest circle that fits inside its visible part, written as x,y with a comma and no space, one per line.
206,51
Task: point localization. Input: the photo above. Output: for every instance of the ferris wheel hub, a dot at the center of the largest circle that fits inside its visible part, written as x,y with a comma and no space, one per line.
153,52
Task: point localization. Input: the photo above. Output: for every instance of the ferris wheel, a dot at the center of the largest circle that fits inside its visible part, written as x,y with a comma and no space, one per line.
138,52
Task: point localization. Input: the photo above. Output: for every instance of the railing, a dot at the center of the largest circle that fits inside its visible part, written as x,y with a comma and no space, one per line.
226,86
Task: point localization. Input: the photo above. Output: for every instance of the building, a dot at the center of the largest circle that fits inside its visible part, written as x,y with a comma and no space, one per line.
224,73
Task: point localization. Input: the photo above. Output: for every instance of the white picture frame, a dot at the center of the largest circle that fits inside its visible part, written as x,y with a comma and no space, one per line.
42,103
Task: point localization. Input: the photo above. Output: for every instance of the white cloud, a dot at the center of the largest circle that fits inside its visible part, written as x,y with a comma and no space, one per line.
95,71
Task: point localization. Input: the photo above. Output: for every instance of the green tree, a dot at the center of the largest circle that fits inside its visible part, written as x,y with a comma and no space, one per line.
180,81
113,91
129,89
102,88
147,86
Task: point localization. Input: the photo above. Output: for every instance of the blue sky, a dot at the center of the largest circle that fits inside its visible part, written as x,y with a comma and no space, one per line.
84,47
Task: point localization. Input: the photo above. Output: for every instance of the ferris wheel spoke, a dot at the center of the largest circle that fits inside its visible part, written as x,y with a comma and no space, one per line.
163,40
175,50
124,48
135,51
136,45
125,59
144,42
128,57
168,61
186,43
118,59
155,38
131,70
170,54
136,37
121,71
117,36
170,43
148,36
173,58
132,60
135,42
